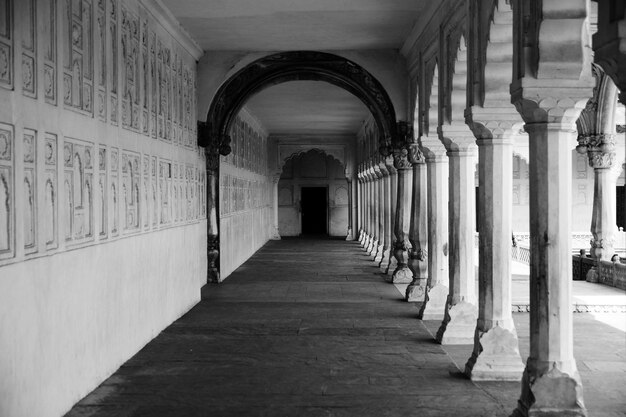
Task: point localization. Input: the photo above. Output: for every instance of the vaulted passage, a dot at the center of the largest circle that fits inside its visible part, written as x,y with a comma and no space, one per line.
309,327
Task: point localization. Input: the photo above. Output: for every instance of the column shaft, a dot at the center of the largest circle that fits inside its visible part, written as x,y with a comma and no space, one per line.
275,232
393,262
437,289
418,234
551,380
402,248
380,200
387,213
459,321
496,353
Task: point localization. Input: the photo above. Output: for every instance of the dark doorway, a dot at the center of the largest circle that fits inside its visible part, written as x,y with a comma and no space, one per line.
620,209
314,208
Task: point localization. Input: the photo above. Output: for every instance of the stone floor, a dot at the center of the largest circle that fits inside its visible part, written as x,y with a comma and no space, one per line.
310,328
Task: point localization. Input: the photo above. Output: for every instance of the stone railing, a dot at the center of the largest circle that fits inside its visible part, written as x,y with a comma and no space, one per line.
521,254
613,274
580,266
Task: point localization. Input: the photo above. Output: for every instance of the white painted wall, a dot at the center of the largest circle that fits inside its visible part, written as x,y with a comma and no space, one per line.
246,194
104,241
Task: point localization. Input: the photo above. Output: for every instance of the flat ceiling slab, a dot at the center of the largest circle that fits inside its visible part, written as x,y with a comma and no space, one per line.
308,107
279,25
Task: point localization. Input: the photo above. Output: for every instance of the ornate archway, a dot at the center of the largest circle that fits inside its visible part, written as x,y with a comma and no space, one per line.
274,69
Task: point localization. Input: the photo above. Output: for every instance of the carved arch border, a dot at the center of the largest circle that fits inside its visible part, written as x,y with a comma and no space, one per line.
341,159
293,66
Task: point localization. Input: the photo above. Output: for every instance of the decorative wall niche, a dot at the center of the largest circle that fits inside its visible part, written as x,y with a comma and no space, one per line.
114,195
29,209
78,182
78,60
103,192
130,195
165,184
7,203
49,26
50,210
130,70
28,24
6,44
101,46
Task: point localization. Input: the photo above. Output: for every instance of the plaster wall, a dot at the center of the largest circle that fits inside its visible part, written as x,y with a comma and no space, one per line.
246,212
312,169
102,221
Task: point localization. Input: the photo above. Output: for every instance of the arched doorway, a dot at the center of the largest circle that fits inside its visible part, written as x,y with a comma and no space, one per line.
265,72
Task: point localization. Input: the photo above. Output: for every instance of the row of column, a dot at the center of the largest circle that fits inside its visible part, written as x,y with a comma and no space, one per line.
434,239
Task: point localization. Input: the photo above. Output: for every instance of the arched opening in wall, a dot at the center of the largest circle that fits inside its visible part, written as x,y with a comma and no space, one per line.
313,196
245,201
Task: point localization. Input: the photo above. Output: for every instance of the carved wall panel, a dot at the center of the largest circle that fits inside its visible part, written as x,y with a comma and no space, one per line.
174,189
145,83
114,195
154,195
153,86
145,193
28,24
102,192
6,44
202,193
165,181
130,70
49,26
78,183
130,194
78,65
101,48
341,196
113,60
50,209
581,166
7,203
29,209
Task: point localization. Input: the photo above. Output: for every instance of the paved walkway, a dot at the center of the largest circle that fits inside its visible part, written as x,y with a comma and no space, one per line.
310,328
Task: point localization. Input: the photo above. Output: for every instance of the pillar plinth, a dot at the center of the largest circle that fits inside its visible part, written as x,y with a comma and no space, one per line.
551,384
402,246
496,349
460,315
380,212
418,265
437,182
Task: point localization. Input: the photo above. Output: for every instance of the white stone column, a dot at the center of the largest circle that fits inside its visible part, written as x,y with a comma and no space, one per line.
349,234
437,289
393,175
371,212
601,151
496,349
551,384
402,247
360,204
376,175
275,231
382,169
368,208
418,263
460,316
388,213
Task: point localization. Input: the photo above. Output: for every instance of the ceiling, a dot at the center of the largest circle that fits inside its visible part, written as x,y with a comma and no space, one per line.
281,25
308,107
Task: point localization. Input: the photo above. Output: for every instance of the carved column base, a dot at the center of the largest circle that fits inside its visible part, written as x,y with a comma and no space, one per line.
496,356
553,393
458,324
366,241
592,275
379,254
361,236
416,291
373,248
384,263
349,235
393,265
435,301
401,275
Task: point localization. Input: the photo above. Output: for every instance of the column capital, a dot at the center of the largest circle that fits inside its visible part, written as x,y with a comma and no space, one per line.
401,159
457,138
389,164
383,169
600,148
377,171
552,101
416,156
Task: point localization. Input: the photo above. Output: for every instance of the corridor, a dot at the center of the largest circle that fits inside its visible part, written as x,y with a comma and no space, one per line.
304,328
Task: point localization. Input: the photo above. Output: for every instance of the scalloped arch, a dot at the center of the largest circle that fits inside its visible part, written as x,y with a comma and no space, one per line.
292,66
303,152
